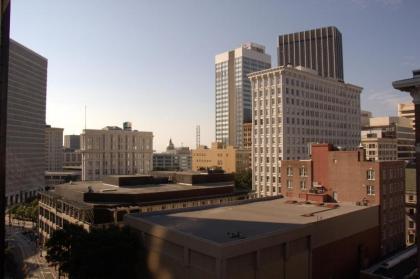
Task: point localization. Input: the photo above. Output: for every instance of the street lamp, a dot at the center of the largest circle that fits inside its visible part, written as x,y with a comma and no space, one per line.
412,86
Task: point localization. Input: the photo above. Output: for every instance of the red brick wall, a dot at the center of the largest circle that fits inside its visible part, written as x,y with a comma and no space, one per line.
320,163
295,178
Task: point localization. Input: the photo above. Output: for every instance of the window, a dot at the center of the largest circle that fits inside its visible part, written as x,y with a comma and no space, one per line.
371,174
411,224
370,190
289,171
289,184
303,184
303,171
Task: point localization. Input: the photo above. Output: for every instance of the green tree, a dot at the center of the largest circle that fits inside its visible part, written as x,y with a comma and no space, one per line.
243,180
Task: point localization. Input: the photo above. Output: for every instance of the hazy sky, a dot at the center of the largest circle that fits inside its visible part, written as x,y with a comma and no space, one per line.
152,62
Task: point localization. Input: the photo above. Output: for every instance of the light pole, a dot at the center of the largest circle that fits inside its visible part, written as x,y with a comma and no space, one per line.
412,86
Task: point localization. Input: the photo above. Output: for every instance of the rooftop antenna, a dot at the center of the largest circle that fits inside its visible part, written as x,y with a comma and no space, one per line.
197,136
85,117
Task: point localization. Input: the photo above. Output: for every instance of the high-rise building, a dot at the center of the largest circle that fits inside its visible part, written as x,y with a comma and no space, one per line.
114,151
407,111
54,148
318,49
364,118
174,159
233,89
25,147
72,157
293,107
72,141
398,128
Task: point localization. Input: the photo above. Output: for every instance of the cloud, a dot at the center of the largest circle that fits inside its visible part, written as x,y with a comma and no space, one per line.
384,102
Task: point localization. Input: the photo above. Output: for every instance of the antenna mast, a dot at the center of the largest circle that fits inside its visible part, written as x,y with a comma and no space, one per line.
197,136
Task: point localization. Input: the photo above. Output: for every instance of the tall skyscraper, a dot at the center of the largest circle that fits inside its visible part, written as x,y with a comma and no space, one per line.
293,107
25,147
54,148
233,90
113,150
318,49
72,141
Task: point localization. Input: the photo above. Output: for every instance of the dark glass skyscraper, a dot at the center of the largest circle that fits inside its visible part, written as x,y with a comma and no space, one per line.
318,49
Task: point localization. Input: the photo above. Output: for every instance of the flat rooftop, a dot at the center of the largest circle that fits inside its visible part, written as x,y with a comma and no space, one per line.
230,223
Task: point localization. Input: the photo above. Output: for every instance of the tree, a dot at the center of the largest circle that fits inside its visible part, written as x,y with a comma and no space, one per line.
243,180
101,253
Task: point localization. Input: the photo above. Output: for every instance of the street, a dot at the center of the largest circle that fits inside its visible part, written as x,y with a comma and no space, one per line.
27,254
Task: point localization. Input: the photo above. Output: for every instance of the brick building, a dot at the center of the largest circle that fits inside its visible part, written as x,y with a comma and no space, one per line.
346,176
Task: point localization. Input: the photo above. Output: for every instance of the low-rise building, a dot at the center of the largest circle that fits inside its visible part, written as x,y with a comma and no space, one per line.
226,157
53,178
115,151
173,159
94,204
271,238
333,175
410,204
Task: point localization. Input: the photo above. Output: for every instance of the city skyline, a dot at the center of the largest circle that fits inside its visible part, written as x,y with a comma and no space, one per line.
174,59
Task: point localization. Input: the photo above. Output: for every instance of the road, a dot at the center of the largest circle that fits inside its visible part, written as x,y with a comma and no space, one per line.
32,264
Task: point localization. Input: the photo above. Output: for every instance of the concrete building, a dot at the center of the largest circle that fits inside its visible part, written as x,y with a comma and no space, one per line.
379,146
398,128
25,141
293,107
72,157
72,141
97,204
318,49
410,204
407,111
247,139
54,148
233,90
113,151
228,158
53,178
275,238
364,118
174,159
346,176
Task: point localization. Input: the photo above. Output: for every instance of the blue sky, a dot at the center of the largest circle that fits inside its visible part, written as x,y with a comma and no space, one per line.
152,62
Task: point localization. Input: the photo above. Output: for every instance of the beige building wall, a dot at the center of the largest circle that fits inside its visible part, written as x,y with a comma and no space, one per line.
380,149
407,111
220,155
113,151
54,148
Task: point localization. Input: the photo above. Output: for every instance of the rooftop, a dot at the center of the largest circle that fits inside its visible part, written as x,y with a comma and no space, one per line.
228,223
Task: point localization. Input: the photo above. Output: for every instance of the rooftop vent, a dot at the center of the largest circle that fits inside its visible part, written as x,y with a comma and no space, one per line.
416,73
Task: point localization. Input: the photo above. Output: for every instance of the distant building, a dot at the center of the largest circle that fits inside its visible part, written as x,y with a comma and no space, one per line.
277,238
364,118
407,111
54,148
398,128
318,49
98,204
346,176
25,143
72,157
292,108
233,90
379,146
53,178
113,151
174,159
410,204
247,137
228,158
72,141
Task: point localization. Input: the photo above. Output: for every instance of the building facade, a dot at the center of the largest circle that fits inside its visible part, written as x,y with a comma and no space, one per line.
398,128
407,111
378,146
410,204
233,90
72,141
25,143
113,151
293,107
346,176
228,158
174,159
54,148
318,49
364,118
72,157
